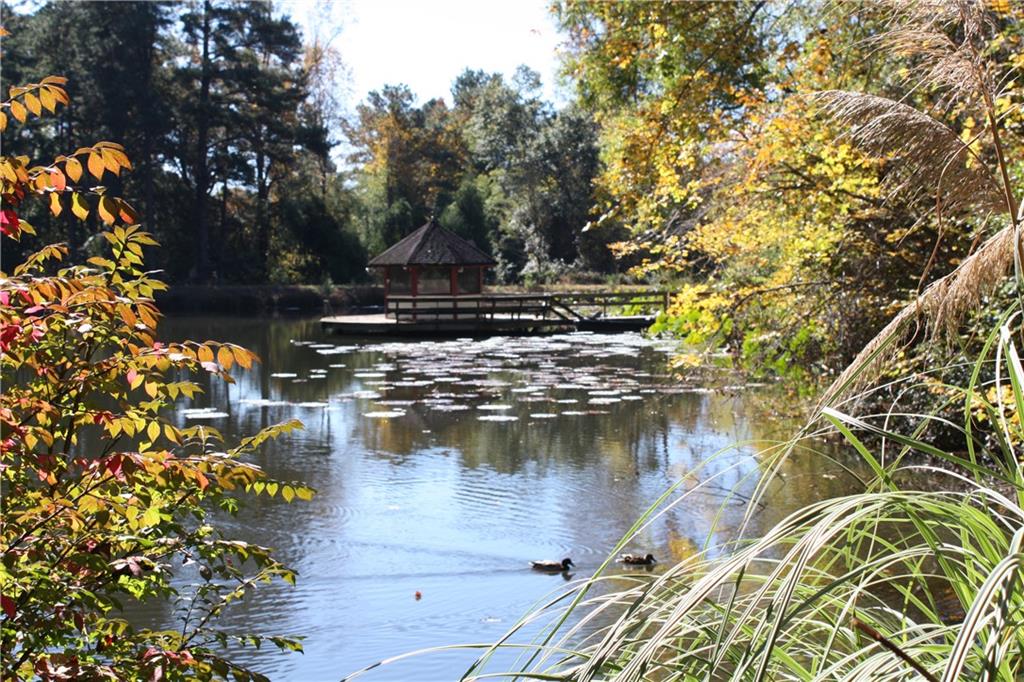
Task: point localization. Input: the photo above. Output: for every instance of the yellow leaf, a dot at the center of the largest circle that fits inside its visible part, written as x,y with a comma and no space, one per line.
106,210
55,207
224,357
205,354
171,433
78,206
110,161
95,163
32,102
18,110
242,356
287,493
153,431
49,101
7,170
3,121
73,169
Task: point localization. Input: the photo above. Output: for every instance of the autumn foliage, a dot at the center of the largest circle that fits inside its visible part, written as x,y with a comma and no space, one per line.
105,500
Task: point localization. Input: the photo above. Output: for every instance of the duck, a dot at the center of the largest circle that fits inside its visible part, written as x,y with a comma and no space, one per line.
637,559
552,566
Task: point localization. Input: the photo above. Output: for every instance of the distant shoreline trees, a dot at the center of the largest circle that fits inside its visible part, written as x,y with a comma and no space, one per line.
233,120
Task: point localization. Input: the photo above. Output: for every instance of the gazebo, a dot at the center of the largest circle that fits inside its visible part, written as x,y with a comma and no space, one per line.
432,262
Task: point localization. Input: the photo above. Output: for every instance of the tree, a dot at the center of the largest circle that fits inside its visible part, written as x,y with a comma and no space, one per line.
792,245
239,95
105,499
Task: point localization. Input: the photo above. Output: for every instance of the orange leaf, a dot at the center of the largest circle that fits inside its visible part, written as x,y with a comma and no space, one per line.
73,168
3,121
106,210
32,102
18,110
49,101
95,164
224,357
126,212
58,180
55,207
205,354
110,161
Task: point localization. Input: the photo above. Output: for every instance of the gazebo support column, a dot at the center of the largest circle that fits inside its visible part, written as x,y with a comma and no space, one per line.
453,280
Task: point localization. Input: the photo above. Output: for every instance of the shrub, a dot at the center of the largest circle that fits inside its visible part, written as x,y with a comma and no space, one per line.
105,500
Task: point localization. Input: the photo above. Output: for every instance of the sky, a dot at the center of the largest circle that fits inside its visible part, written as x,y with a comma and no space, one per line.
426,44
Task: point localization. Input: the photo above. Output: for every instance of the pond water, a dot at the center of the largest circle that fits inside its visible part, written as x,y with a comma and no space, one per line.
443,467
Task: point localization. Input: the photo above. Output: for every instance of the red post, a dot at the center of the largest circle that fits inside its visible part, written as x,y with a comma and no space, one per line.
414,275
453,279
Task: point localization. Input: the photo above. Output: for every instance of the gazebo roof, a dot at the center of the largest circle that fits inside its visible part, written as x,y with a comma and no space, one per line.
433,245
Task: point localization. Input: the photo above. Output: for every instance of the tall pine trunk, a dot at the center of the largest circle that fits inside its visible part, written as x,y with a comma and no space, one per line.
202,170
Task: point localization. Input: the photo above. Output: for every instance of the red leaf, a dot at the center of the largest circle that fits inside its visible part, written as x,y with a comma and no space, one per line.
8,333
8,606
8,222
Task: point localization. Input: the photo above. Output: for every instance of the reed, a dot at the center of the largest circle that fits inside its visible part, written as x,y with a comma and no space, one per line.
900,581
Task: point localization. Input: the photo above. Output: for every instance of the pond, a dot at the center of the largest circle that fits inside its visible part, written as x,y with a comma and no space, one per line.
443,467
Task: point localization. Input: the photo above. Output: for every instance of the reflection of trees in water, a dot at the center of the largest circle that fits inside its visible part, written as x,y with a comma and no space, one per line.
582,479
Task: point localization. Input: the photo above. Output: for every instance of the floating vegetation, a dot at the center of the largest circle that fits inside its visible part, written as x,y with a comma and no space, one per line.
204,413
262,402
491,376
449,408
384,414
364,395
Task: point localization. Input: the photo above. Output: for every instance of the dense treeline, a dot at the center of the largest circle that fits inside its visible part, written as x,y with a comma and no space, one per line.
800,226
234,124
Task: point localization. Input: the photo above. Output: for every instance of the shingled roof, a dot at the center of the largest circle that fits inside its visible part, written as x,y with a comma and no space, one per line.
433,245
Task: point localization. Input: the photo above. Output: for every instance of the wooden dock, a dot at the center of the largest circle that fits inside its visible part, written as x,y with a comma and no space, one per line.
493,314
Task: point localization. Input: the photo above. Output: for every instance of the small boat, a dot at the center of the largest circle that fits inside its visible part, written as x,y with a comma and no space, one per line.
551,566
637,559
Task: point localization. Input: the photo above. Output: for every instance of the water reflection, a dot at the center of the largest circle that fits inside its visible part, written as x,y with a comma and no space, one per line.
422,492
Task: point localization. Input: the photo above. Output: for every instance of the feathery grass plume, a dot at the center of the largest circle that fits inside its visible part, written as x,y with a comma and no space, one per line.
929,157
941,307
892,583
945,39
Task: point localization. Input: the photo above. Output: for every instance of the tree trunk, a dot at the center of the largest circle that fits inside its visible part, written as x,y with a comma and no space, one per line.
202,171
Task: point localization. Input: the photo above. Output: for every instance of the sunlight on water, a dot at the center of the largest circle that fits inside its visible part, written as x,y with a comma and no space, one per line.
444,467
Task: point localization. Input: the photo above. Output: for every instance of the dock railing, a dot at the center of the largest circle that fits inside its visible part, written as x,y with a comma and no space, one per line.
568,306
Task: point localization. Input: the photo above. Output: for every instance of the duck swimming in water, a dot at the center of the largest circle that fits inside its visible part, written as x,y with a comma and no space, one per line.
552,566
637,559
